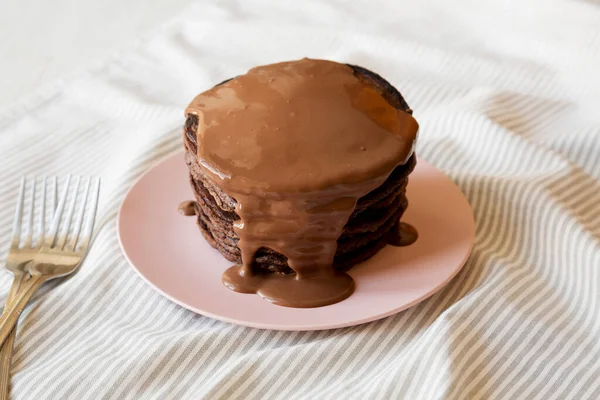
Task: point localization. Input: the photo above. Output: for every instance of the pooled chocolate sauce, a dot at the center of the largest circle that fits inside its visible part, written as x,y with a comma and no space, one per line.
402,234
296,144
187,208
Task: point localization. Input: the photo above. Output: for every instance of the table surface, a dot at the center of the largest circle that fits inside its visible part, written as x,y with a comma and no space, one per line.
41,41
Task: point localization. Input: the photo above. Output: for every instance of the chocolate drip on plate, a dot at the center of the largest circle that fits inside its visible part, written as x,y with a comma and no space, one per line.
187,208
403,234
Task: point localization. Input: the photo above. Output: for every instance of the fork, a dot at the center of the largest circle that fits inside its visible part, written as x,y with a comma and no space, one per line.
55,253
18,258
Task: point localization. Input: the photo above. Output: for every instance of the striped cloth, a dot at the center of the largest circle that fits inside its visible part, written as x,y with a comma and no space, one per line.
508,99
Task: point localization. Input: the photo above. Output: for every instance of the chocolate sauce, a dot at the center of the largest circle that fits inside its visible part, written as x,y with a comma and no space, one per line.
296,144
403,234
322,288
187,208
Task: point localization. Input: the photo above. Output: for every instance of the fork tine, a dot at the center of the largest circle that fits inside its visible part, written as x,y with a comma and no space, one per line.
58,213
16,238
42,213
62,237
79,221
89,223
53,201
29,227
53,198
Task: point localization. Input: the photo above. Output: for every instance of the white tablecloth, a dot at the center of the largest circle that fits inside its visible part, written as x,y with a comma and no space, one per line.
507,96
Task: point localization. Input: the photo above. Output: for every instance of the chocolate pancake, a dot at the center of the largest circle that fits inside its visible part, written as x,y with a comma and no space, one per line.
374,215
364,234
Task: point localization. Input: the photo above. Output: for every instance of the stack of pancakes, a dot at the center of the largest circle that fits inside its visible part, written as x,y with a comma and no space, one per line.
366,232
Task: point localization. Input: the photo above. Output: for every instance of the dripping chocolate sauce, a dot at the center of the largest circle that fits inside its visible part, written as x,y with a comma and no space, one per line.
317,290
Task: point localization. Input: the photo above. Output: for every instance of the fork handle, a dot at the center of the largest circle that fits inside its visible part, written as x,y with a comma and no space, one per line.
6,350
11,316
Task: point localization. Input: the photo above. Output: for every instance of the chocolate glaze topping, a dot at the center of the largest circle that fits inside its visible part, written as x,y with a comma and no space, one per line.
296,144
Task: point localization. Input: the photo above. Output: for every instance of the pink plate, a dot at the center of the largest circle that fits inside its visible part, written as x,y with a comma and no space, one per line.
169,252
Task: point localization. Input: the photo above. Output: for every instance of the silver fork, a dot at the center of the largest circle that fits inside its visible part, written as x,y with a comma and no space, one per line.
56,253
